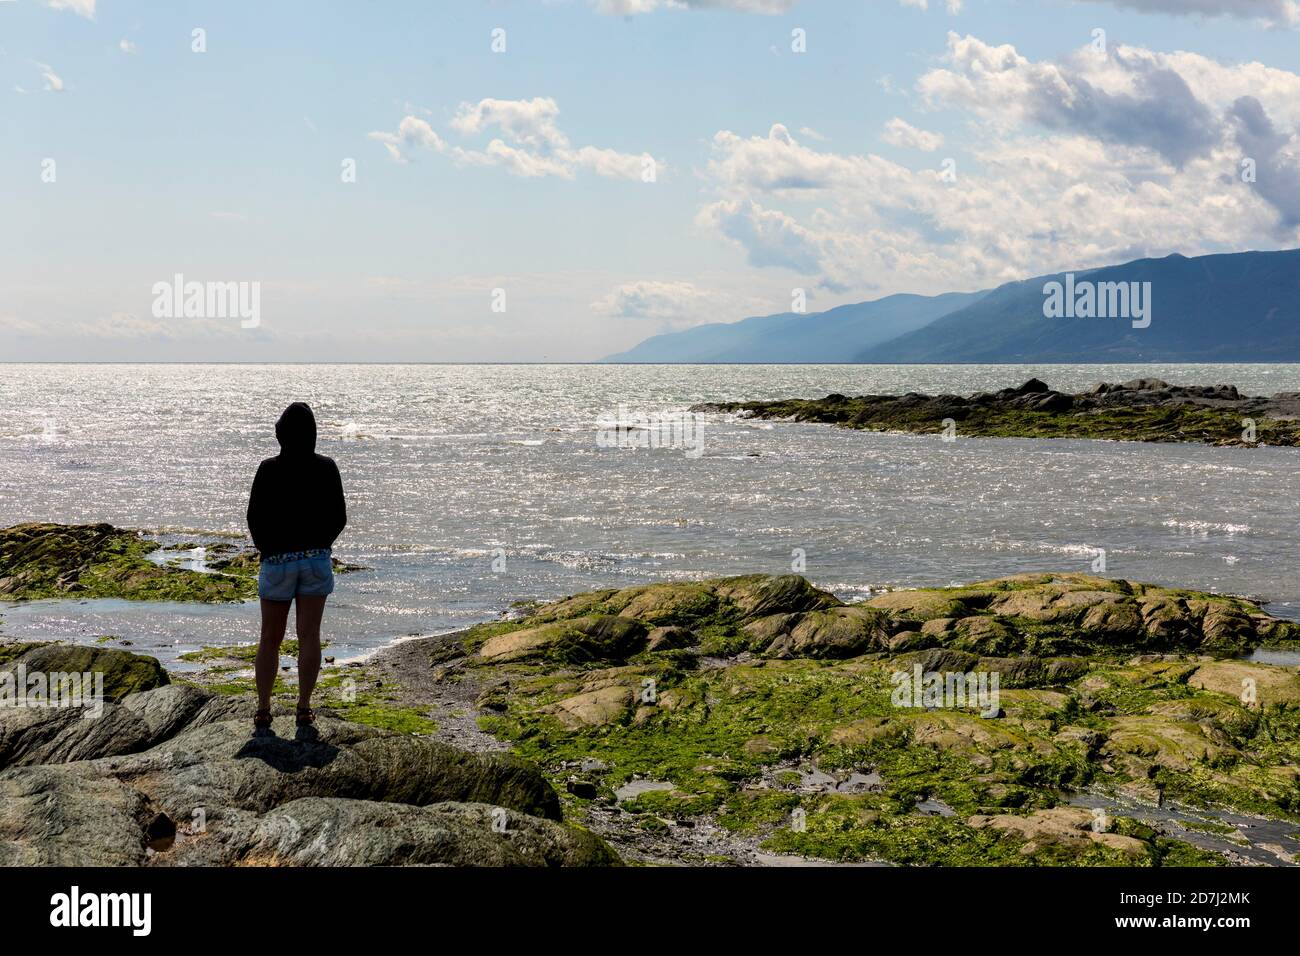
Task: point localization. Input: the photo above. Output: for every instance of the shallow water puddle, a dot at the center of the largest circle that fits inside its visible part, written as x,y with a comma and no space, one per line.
1259,840
634,788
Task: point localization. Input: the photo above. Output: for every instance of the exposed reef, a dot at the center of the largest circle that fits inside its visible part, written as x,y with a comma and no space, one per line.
1140,410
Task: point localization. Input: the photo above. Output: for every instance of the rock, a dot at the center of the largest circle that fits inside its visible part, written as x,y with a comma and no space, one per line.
344,795
1139,410
31,735
41,560
596,707
325,831
909,641
868,730
835,632
1031,386
1071,827
56,816
1270,686
584,789
758,595
122,672
1143,384
665,604
983,635
603,637
670,638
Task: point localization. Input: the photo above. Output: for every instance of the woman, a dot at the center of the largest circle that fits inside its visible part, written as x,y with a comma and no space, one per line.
295,512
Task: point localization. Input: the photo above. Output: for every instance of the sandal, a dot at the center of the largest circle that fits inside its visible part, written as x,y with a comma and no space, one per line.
306,717
262,720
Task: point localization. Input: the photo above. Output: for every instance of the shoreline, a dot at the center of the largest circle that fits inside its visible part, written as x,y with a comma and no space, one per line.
752,720
488,687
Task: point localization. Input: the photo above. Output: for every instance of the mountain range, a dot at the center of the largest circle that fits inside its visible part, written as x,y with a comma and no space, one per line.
1236,307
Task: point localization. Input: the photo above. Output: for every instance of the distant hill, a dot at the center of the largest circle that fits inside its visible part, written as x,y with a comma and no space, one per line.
1242,307
835,335
1237,307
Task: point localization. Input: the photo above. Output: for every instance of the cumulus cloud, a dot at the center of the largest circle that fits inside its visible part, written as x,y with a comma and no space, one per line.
1080,162
1150,102
126,46
1271,12
1276,157
674,303
899,132
83,8
530,143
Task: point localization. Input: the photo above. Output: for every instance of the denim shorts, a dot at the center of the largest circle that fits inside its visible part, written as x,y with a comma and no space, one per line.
303,574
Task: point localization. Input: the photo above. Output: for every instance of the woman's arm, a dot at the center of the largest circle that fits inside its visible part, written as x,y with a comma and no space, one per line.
257,507
337,508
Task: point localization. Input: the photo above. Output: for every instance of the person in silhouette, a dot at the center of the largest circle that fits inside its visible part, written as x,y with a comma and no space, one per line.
295,512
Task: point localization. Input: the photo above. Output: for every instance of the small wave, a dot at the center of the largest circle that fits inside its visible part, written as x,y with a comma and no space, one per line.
1205,527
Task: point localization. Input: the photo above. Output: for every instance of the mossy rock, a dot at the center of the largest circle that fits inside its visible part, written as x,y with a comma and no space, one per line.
593,637
123,672
42,560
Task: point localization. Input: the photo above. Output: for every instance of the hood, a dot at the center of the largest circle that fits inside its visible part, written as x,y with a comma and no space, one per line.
296,430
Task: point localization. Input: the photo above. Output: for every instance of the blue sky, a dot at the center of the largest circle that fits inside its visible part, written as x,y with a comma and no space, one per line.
524,170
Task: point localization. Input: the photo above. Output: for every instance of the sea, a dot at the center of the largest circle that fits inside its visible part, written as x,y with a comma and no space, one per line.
471,487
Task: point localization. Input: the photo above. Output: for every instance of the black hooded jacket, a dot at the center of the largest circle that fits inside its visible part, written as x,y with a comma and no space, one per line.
297,498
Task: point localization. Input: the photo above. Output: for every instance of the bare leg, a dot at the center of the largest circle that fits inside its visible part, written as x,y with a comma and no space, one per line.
275,615
310,612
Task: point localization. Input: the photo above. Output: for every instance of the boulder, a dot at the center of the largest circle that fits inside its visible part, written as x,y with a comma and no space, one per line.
123,672
1071,827
835,632
174,775
670,638
593,708
593,637
327,831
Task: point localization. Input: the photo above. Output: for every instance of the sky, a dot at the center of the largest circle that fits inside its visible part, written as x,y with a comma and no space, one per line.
556,180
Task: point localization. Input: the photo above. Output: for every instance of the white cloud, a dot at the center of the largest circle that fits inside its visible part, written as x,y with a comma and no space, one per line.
53,82
1270,12
126,46
1078,163
83,8
632,7
899,132
953,6
20,326
672,303
531,143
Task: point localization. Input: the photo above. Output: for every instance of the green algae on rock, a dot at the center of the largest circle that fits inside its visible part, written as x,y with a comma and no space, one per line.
43,560
1142,410
1107,684
40,560
123,673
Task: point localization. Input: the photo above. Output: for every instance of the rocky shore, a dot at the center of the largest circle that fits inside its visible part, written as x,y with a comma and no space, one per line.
744,720
1139,410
